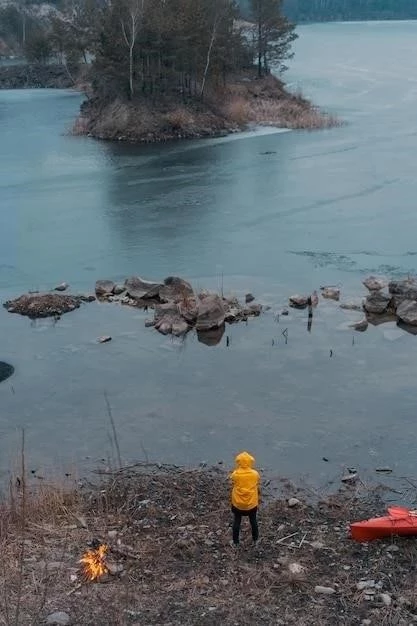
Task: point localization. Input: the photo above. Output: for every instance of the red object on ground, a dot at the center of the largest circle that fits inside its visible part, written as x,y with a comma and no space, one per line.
399,521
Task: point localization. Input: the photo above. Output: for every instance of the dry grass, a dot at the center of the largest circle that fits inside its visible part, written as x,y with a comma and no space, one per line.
168,529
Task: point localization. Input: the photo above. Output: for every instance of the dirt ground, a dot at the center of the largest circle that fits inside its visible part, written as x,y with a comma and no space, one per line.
168,532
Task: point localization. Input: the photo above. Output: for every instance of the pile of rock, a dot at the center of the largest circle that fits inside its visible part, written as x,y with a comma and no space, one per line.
177,308
37,305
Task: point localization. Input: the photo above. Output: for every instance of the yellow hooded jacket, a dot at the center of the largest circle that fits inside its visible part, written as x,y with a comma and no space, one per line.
245,480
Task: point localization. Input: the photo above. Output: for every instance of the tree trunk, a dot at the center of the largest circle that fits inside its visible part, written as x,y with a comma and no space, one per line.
210,48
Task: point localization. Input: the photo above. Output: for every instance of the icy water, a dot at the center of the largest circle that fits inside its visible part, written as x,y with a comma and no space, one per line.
274,213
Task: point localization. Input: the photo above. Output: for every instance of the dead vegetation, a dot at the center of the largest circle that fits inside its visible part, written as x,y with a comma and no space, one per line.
168,532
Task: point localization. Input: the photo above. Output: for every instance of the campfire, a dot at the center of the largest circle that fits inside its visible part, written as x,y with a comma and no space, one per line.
94,562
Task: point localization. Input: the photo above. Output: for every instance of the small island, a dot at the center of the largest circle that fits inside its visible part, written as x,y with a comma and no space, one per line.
155,71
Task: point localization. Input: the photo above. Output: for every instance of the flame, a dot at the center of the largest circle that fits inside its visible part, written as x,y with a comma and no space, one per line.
93,562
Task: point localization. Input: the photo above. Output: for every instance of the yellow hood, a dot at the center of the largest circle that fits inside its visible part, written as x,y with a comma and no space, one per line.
244,460
245,480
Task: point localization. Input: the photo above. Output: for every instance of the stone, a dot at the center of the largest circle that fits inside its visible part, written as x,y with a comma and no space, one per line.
179,327
139,289
175,289
360,326
6,371
293,502
407,312
284,312
377,302
58,618
298,302
211,337
366,622
118,290
149,323
393,548
386,598
373,283
253,309
295,568
104,288
44,305
365,584
104,339
112,534
249,298
114,569
405,288
324,590
352,306
331,293
167,319
61,287
317,545
211,313
349,478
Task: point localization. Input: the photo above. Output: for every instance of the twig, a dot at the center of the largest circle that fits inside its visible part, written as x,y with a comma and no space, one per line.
69,593
302,540
116,441
287,537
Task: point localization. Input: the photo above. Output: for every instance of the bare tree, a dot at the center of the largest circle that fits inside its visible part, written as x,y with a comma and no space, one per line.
130,29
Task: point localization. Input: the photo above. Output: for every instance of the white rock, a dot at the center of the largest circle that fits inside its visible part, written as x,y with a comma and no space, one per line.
318,545
58,618
324,590
104,339
293,502
365,584
366,622
393,548
112,534
295,568
349,478
61,287
386,599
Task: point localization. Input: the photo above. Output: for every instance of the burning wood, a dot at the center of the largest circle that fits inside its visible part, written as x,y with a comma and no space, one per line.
94,562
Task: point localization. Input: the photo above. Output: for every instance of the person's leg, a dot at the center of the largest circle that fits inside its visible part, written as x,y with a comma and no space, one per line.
254,523
237,519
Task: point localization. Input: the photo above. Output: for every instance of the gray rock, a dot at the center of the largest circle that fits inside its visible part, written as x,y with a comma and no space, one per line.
58,618
407,312
293,502
179,327
349,478
114,568
253,309
104,288
175,289
298,302
61,287
249,298
373,283
168,319
365,584
393,548
360,326
211,313
406,288
324,590
386,599
331,293
118,290
149,323
377,302
352,306
211,337
104,339
317,545
139,289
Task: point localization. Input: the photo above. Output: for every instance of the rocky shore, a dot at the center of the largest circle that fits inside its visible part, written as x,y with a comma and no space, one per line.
35,76
167,532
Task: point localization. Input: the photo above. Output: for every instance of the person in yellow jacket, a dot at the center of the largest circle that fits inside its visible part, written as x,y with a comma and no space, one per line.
245,495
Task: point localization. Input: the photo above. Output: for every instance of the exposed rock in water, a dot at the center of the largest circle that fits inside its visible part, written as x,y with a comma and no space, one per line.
6,370
211,337
406,288
373,283
139,289
249,298
118,290
61,287
45,305
352,306
377,302
330,293
211,313
407,312
104,339
298,302
104,288
169,320
360,326
175,289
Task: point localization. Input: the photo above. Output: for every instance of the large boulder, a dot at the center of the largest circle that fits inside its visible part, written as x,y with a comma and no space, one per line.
331,293
211,337
211,313
407,312
406,288
373,283
377,302
175,289
104,288
298,302
168,320
140,289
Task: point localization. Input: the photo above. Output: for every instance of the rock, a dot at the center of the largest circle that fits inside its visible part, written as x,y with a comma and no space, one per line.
377,302
166,316
365,584
104,339
295,568
349,478
118,290
211,337
179,327
374,284
407,312
352,306
253,309
188,309
293,502
298,302
314,299
149,323
360,326
44,305
58,618
210,313
387,470
6,371
175,289
61,287
104,288
317,545
112,534
324,590
366,622
330,292
393,548
114,568
406,289
284,312
386,598
249,298
139,289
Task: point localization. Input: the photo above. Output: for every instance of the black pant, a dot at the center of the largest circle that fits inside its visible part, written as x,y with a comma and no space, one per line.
237,519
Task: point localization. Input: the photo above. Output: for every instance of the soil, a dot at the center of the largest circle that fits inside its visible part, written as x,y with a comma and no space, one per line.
168,532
